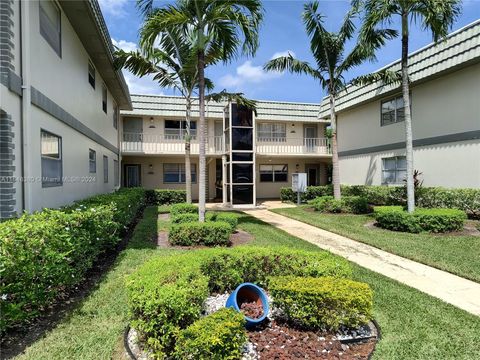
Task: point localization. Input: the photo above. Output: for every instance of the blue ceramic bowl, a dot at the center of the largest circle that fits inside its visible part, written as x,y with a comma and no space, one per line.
248,292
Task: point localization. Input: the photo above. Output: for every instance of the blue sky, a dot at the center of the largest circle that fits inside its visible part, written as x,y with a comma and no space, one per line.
282,31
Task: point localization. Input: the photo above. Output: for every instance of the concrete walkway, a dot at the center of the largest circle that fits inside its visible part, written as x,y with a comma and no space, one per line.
462,293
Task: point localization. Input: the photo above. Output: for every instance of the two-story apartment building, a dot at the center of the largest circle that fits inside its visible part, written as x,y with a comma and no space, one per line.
249,155
60,100
445,106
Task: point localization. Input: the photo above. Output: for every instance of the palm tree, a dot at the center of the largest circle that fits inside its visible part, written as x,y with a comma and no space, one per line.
172,65
217,29
331,63
435,15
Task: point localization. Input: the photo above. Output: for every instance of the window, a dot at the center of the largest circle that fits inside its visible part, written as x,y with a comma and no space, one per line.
92,161
393,111
116,177
176,129
115,116
274,173
394,170
175,173
50,27
51,156
91,74
105,169
272,132
104,98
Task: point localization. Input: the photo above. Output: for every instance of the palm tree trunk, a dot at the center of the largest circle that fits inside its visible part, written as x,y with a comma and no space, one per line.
408,117
188,166
335,164
201,137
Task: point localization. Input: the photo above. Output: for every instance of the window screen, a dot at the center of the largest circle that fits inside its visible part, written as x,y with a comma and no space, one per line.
393,111
274,173
394,170
91,74
116,177
175,173
92,161
105,169
51,157
50,25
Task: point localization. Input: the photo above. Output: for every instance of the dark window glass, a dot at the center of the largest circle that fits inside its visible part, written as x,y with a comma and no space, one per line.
242,194
51,157
242,139
175,173
242,156
104,99
105,169
50,25
393,111
242,173
91,74
241,116
92,160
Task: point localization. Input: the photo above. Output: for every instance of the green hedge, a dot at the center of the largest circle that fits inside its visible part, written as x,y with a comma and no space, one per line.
347,204
45,254
431,220
166,294
200,233
467,200
183,208
219,336
322,303
165,196
229,218
184,218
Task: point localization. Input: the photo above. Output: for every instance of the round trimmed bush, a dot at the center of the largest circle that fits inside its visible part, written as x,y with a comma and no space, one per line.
166,294
184,218
183,208
431,220
229,218
322,303
347,204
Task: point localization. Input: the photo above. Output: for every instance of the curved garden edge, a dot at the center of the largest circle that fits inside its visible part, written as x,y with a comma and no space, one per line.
130,353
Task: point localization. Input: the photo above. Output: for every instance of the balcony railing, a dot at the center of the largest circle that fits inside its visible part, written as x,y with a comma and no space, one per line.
288,146
174,144
167,144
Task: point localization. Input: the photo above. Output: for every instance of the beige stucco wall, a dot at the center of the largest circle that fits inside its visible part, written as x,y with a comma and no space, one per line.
272,189
153,179
455,165
447,105
65,79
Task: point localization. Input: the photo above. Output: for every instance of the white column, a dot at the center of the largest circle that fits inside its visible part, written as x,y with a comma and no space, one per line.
224,180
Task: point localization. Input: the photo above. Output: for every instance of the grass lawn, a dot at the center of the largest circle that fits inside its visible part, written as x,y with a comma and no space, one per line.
414,325
456,254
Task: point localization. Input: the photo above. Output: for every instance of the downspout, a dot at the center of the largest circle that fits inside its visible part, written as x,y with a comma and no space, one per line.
26,99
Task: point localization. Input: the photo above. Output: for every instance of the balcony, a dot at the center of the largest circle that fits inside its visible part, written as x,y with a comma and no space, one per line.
153,144
140,143
295,146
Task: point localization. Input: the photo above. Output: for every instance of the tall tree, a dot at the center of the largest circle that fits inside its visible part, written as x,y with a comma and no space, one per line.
332,61
217,29
437,16
173,65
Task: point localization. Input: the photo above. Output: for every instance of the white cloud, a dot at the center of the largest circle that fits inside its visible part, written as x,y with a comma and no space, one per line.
247,73
283,53
125,45
114,8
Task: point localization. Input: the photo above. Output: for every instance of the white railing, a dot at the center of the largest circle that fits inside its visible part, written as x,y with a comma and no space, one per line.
287,146
174,144
167,144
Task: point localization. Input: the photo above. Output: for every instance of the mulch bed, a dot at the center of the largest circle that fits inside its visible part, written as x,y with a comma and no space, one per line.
283,343
252,309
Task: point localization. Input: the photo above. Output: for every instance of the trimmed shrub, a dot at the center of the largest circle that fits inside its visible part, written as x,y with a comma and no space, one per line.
183,208
200,233
166,293
229,218
381,209
347,204
228,269
184,218
45,254
165,196
432,220
219,336
322,303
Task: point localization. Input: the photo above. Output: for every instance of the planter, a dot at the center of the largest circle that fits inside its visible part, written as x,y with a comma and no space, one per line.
249,293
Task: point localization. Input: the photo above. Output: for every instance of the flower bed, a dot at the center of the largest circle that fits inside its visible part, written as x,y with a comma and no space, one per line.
167,294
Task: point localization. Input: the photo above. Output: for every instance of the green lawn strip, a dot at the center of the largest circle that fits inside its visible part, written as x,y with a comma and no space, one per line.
456,254
414,325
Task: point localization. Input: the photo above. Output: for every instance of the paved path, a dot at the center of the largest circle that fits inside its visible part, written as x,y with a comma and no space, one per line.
460,292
